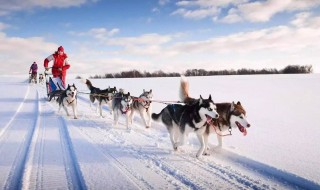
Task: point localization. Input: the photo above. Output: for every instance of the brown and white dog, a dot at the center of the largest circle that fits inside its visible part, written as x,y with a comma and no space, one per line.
231,116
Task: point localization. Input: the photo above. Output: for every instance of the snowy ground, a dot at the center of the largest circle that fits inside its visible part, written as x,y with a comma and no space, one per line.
43,149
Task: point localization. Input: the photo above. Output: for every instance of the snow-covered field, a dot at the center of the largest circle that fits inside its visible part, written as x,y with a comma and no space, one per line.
43,149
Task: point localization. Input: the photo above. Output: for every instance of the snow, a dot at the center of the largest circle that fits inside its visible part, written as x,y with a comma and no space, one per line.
43,149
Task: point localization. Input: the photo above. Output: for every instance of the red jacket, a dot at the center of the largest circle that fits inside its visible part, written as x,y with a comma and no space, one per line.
59,61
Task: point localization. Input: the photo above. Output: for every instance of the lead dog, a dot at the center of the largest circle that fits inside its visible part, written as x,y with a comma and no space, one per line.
68,98
143,106
231,116
122,105
180,120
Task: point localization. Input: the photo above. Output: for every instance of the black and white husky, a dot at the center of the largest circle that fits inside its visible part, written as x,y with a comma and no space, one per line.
122,105
180,120
102,96
143,106
68,98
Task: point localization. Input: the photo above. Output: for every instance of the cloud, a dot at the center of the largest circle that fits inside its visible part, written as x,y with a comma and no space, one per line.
163,2
198,13
240,10
302,33
146,39
3,26
21,5
254,48
299,34
98,33
17,54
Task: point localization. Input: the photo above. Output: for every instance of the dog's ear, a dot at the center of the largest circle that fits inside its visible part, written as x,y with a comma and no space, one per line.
210,97
128,93
238,103
200,100
150,90
144,91
232,106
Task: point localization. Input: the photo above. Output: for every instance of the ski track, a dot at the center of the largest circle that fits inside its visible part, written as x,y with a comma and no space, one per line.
46,149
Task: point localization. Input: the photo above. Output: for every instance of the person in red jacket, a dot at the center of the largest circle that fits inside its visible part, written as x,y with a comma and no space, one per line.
60,64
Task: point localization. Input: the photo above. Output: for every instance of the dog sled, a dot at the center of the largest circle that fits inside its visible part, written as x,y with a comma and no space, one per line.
54,86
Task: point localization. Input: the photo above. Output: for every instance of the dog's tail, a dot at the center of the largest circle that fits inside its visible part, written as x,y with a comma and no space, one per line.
156,116
88,83
184,88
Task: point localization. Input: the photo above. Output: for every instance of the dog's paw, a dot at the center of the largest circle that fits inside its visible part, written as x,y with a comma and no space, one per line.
147,126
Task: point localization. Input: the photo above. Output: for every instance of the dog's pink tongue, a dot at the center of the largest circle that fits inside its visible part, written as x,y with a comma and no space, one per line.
209,119
244,131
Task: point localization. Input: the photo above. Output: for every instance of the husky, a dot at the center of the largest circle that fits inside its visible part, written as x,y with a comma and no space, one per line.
180,120
41,79
142,104
231,116
69,98
102,96
122,105
33,78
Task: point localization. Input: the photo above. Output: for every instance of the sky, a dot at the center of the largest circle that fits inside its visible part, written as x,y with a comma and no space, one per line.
109,36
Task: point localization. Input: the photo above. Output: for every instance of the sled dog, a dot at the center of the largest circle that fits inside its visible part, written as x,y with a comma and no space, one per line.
231,116
192,117
102,96
122,105
69,98
41,79
143,106
33,78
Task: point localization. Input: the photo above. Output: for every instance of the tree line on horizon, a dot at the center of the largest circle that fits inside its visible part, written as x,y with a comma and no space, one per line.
290,69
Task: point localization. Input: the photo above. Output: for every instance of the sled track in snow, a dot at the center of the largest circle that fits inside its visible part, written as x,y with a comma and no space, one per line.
14,180
129,173
74,172
15,114
72,169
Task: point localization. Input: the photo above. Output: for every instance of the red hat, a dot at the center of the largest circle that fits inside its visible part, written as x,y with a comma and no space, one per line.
61,49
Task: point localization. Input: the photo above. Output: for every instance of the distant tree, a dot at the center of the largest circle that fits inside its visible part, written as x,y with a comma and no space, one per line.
201,72
294,69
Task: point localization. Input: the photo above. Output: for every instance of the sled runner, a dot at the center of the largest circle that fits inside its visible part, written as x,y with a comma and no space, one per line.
54,86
